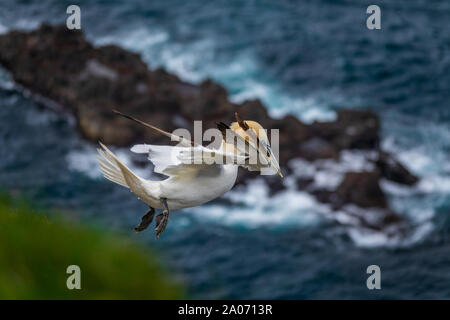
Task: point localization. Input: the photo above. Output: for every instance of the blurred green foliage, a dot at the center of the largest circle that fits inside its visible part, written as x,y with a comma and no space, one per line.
35,252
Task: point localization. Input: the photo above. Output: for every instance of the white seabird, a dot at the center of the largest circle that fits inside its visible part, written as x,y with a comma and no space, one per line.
191,180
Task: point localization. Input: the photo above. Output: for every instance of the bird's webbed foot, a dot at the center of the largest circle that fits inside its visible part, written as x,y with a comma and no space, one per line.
146,220
162,219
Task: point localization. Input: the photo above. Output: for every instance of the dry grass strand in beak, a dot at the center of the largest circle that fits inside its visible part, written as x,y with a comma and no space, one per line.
241,122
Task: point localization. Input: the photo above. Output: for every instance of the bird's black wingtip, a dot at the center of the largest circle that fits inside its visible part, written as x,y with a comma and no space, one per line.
117,112
223,128
222,125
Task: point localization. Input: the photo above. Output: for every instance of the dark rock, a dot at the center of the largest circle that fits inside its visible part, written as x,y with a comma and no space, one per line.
244,175
353,129
362,189
275,184
303,183
318,148
60,64
393,170
380,220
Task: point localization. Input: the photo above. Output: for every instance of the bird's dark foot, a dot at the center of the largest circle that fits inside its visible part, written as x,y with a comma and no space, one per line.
146,220
161,223
162,219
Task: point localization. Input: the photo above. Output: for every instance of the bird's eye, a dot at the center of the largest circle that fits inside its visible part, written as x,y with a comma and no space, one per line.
268,151
267,148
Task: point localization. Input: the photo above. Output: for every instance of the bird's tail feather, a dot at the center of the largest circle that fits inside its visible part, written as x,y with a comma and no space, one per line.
114,170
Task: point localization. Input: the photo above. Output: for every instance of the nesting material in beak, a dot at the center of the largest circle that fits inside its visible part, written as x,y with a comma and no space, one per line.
279,172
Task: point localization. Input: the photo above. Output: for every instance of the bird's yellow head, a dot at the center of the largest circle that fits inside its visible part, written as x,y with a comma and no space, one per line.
254,133
254,126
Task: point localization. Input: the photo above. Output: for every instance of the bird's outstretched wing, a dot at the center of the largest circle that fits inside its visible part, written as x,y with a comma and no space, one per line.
189,156
173,137
243,145
114,170
173,160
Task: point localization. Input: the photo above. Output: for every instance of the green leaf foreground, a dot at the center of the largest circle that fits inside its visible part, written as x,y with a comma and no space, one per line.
35,252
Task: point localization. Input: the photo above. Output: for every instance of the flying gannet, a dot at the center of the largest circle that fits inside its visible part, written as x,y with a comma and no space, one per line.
191,181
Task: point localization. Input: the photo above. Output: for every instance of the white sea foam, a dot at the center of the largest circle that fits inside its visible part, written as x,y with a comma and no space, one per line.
307,109
156,50
200,59
431,167
369,239
435,184
372,239
20,24
396,189
328,173
3,28
84,160
427,185
139,40
6,80
252,207
415,159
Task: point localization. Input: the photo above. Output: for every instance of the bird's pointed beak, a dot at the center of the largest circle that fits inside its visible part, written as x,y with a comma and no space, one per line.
275,166
270,158
279,172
